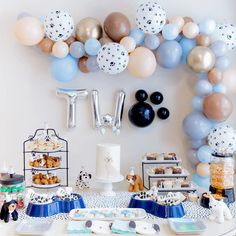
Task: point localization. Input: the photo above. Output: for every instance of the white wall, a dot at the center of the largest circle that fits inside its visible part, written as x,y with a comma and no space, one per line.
27,91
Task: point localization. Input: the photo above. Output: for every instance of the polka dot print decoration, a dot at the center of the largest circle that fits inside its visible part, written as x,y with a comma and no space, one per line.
150,17
59,25
226,33
112,58
222,139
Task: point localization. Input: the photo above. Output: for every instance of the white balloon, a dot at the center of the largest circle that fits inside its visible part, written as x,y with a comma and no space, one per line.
150,17
58,25
222,139
226,33
112,58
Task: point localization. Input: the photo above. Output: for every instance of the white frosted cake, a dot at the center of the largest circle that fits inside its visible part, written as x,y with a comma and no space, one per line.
108,161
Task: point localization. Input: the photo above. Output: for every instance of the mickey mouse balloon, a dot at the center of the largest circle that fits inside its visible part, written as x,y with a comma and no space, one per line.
112,58
222,139
150,17
226,33
59,25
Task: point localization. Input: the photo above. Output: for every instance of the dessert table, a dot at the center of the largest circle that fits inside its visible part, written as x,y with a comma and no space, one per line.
94,199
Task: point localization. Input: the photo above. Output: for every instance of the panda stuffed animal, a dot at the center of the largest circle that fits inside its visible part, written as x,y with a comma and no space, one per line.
9,208
83,179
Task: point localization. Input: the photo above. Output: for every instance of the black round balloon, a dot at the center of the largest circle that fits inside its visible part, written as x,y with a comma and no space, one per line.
141,95
156,98
141,114
163,113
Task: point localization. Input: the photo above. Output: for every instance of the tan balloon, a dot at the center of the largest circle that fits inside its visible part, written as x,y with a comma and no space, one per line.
203,169
215,76
229,81
188,19
46,45
190,30
105,40
217,107
60,49
203,40
128,43
116,26
88,28
82,63
29,31
201,59
178,20
142,62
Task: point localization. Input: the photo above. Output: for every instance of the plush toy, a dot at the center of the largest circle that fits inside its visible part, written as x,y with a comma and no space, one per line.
83,179
219,209
135,181
9,208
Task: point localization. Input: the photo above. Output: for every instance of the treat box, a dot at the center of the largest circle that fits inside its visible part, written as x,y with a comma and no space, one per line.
55,207
151,173
42,186
109,214
152,207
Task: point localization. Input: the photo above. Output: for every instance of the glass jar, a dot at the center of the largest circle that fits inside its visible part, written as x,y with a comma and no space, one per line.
222,171
12,185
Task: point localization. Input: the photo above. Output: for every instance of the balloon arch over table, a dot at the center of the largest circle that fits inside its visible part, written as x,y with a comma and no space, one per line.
155,39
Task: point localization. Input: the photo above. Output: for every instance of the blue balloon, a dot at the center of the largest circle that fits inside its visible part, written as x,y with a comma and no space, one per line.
195,144
77,49
219,88
197,103
137,35
204,154
192,156
196,125
92,64
222,63
92,46
203,87
203,182
187,45
64,69
207,26
220,48
203,76
151,41
170,31
169,54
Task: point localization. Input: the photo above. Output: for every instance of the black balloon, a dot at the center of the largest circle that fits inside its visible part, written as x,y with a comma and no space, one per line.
141,95
141,114
156,98
163,113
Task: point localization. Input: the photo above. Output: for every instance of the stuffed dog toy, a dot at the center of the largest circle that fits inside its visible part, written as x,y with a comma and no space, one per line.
135,183
7,209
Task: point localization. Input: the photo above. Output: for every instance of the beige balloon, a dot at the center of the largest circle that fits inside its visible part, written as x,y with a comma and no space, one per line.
88,28
178,20
201,59
29,31
203,169
142,62
229,81
60,49
128,43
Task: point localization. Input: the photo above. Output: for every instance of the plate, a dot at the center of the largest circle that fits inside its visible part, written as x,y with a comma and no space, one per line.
186,226
44,168
184,189
33,226
151,173
109,214
178,160
46,186
47,151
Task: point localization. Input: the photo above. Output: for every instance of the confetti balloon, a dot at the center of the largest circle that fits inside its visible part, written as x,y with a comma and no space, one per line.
58,25
226,33
150,17
112,58
222,139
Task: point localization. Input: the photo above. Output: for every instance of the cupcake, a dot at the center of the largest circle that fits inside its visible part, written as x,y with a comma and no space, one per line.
151,156
159,170
170,156
185,184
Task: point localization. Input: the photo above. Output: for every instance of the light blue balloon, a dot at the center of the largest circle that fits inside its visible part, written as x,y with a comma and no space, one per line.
192,156
92,46
92,64
219,88
64,69
203,76
187,45
222,63
170,31
196,125
77,49
138,35
219,48
204,154
203,88
169,54
195,144
203,182
151,41
207,26
197,103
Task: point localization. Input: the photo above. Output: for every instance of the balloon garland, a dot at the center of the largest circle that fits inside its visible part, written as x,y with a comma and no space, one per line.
178,40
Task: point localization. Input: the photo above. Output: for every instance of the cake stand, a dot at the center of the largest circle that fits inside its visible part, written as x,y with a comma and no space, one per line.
107,185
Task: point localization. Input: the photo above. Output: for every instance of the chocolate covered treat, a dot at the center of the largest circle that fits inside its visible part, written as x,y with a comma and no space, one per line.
170,156
151,156
177,169
159,170
185,184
